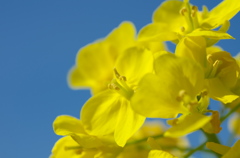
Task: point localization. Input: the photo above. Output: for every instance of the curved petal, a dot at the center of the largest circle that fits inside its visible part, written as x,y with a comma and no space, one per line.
152,100
168,13
134,63
87,141
127,124
188,124
156,32
193,48
234,152
60,150
218,148
210,34
95,62
226,10
178,73
100,113
220,92
66,125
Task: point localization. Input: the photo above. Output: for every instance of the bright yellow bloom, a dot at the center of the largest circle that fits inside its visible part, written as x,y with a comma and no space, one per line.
176,88
175,19
220,68
110,111
78,143
167,93
95,62
227,152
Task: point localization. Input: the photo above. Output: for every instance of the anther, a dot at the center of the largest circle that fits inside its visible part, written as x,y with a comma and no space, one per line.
183,11
194,11
181,94
113,86
182,29
116,73
122,78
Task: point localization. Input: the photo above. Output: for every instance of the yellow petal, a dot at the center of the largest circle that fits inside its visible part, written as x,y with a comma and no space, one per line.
160,154
87,141
210,34
226,10
100,113
220,92
188,124
168,13
218,148
148,101
156,32
60,149
95,62
127,124
122,37
193,48
178,73
234,152
66,125
134,63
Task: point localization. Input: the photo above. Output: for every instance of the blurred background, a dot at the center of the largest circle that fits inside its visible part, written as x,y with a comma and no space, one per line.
38,44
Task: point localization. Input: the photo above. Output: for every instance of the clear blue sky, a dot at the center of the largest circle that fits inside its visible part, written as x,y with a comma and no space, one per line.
38,44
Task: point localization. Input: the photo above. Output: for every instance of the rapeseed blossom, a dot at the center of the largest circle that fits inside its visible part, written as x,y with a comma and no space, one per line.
134,77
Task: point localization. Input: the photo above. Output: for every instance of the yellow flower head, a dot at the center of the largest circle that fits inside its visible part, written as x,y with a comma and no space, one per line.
110,111
95,62
175,19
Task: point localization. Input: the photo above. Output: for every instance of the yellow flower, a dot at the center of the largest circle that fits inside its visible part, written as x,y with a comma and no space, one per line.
167,93
177,87
78,143
110,111
220,68
95,62
175,19
227,152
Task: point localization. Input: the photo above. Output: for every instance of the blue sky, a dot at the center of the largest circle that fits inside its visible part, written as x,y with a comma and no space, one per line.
39,41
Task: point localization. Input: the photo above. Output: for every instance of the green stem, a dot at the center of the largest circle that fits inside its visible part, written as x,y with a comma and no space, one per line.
229,113
195,150
211,137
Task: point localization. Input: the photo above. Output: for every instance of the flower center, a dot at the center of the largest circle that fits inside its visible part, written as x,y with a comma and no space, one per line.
190,15
119,84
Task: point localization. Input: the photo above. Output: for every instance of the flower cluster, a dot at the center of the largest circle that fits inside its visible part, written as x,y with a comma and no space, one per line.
134,77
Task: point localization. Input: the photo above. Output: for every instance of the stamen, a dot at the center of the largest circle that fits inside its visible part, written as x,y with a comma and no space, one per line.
119,84
183,11
123,78
113,86
194,11
182,29
116,73
181,95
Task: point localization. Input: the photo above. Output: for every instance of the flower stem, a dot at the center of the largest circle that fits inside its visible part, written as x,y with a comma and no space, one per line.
195,150
230,112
